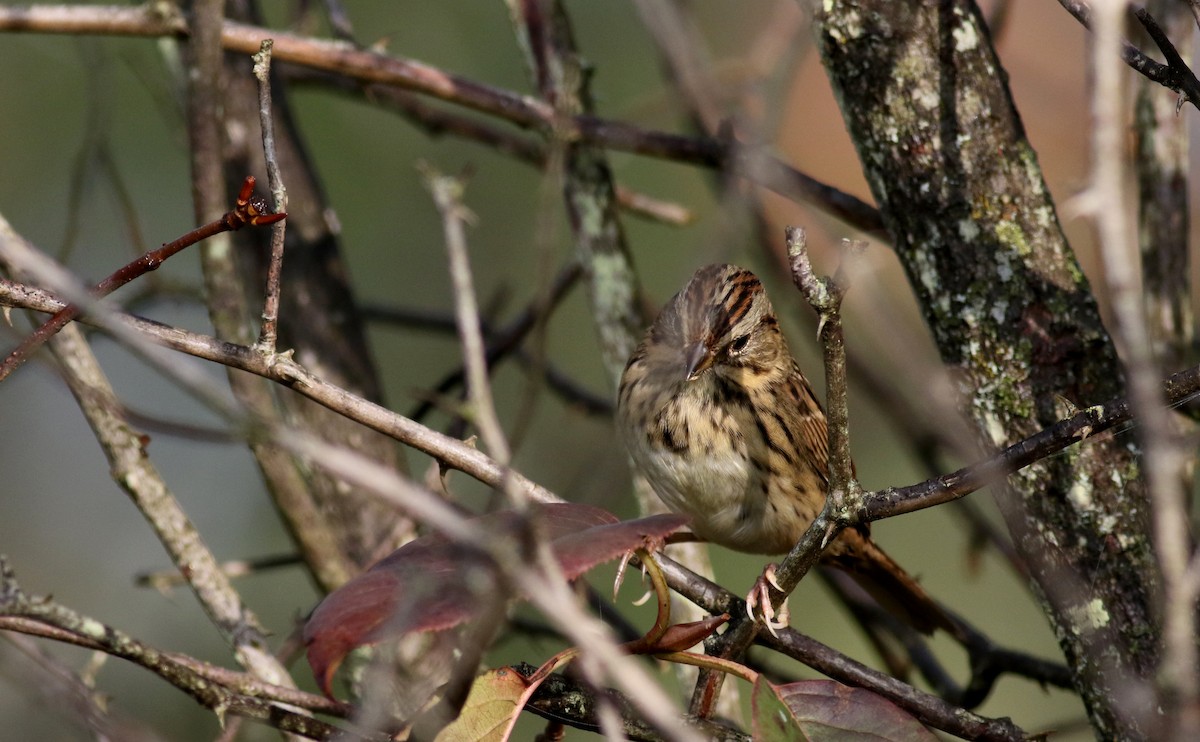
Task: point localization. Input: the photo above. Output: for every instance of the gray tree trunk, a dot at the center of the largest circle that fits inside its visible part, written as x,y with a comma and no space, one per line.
928,107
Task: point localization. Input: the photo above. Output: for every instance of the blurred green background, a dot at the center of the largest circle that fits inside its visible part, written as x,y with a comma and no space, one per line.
104,113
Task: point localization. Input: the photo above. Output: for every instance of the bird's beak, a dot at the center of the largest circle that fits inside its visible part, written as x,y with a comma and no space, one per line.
699,358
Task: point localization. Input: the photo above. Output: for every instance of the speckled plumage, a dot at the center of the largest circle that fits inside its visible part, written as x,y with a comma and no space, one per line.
718,417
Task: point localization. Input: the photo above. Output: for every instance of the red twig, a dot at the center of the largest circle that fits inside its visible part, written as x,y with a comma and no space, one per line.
249,209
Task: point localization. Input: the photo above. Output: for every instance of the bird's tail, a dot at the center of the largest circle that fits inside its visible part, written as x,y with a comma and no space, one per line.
888,583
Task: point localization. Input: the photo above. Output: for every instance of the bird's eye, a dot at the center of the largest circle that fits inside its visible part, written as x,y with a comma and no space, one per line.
739,343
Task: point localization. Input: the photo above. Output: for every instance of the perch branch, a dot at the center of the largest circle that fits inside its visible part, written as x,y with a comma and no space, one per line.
879,504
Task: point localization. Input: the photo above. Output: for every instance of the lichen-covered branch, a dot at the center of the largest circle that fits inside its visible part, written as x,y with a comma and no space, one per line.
545,34
926,103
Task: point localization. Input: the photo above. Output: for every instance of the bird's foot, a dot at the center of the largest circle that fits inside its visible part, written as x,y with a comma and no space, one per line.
760,598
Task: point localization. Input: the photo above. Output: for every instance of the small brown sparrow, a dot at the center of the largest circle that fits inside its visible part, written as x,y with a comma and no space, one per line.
720,420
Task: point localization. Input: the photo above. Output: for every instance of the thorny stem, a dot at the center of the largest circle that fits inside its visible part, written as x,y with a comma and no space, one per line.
249,209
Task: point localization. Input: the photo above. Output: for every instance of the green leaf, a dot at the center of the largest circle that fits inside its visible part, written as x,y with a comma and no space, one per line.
490,707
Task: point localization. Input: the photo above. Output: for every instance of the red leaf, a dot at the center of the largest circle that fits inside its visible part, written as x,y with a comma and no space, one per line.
580,551
683,636
432,584
828,711
416,588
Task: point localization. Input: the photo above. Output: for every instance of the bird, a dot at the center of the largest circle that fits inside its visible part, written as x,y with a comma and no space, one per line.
720,420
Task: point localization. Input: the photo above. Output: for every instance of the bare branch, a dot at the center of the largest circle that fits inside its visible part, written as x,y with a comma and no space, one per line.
1088,423
270,314
929,709
447,195
17,607
366,66
1175,75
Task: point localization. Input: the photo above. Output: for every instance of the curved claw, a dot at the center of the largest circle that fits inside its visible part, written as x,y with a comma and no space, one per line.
760,598
621,567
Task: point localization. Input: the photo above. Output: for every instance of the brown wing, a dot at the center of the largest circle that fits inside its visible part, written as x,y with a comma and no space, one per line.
854,550
810,420
814,430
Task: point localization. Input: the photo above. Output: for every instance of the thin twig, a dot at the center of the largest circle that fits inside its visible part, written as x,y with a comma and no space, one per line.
1181,79
270,314
436,121
447,196
163,580
140,333
64,691
415,318
1178,77
331,555
653,209
339,21
522,110
544,32
928,708
239,682
507,340
249,209
988,661
133,469
15,604
843,502
501,343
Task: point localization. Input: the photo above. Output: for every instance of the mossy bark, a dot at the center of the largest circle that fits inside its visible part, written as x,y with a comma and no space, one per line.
928,107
